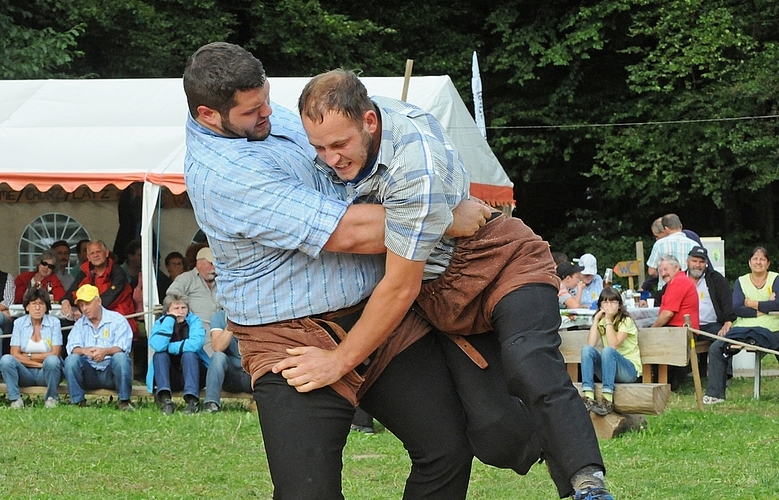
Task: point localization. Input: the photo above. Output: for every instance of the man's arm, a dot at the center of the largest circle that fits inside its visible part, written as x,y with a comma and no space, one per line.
663,318
310,368
361,229
220,339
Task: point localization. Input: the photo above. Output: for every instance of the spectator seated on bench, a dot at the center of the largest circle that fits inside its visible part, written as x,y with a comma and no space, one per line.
177,339
715,302
36,343
754,297
620,359
98,350
224,371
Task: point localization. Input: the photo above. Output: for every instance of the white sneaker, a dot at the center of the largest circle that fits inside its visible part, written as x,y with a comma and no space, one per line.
18,403
711,400
51,403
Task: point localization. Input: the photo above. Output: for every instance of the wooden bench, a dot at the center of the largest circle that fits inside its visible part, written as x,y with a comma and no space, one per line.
759,355
137,391
660,347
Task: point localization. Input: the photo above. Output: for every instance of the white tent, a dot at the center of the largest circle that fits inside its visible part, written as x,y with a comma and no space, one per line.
100,132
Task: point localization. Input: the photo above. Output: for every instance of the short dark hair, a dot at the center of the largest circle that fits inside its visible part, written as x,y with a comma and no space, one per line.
80,243
762,250
34,293
215,72
175,255
60,243
132,247
338,91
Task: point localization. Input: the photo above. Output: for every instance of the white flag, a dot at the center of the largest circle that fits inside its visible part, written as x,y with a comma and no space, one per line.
478,104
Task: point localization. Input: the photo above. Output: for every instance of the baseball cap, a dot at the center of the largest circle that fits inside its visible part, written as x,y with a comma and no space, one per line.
698,251
565,269
589,263
87,293
205,253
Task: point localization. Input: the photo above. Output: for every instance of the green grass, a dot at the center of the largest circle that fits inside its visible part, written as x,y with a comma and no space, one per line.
729,451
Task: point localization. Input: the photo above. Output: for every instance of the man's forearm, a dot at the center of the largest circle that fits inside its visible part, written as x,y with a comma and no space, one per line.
663,318
360,230
385,309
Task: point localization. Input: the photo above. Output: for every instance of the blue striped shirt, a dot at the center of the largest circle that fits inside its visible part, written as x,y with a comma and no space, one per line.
267,214
419,178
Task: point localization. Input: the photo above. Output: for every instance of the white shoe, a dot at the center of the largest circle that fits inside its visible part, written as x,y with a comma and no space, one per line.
17,403
711,400
51,403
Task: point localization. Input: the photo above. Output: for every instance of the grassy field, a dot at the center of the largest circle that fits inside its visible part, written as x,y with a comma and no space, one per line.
727,451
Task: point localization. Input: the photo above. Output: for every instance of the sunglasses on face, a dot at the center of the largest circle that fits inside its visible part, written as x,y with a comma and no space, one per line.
50,266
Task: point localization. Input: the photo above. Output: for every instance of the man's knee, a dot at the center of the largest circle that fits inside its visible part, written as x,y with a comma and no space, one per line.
218,362
72,363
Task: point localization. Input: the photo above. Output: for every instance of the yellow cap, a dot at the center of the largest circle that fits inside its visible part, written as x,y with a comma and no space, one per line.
87,293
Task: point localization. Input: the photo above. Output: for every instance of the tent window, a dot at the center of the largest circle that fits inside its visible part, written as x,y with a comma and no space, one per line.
45,230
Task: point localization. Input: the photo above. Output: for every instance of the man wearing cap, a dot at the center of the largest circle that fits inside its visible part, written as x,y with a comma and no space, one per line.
570,279
715,298
593,283
198,285
98,350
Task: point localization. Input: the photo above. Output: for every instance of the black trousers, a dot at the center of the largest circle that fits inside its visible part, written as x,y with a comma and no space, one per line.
526,323
305,433
500,428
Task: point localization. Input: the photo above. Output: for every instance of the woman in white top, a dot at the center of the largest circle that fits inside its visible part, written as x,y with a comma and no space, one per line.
36,343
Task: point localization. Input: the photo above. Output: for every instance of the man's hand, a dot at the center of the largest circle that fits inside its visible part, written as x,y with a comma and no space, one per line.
309,368
469,216
97,354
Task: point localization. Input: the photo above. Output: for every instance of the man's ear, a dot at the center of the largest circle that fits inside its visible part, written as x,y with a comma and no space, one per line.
371,121
208,116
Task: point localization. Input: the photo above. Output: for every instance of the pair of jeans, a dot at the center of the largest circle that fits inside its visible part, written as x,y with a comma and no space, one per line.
719,364
225,373
526,321
16,375
414,398
609,365
176,372
118,376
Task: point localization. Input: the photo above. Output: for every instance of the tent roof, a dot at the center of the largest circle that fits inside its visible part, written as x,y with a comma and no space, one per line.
100,132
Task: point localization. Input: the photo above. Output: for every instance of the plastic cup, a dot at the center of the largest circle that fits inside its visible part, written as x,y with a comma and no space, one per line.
650,302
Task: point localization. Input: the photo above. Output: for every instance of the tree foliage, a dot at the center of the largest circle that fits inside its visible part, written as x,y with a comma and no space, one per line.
615,109
28,51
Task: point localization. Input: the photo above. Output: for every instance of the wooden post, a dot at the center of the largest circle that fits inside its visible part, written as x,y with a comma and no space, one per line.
407,79
640,259
696,374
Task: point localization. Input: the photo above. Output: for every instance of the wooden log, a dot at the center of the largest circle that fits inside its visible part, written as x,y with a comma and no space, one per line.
614,424
646,399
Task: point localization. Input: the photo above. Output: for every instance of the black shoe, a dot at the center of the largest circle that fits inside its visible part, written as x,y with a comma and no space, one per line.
168,407
363,428
211,407
125,406
603,407
192,407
